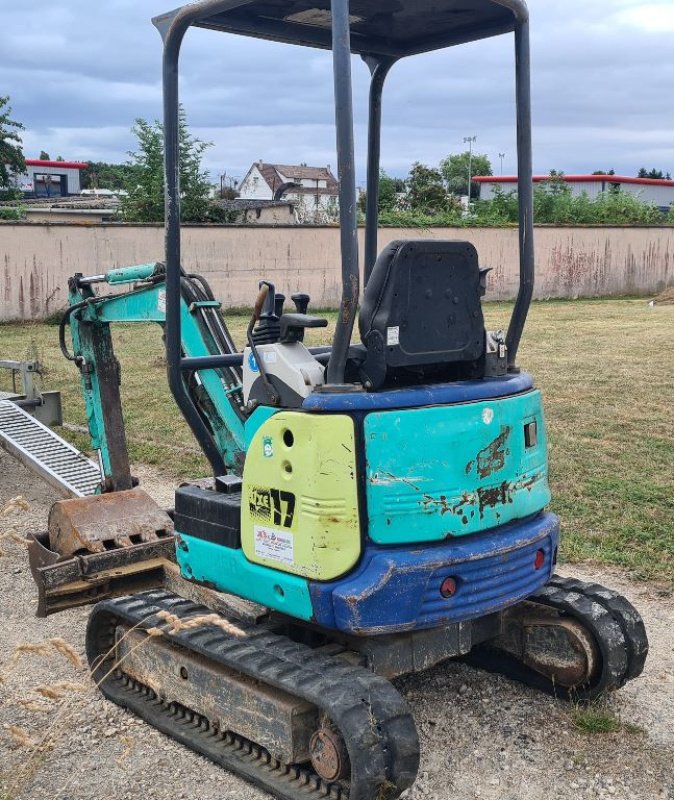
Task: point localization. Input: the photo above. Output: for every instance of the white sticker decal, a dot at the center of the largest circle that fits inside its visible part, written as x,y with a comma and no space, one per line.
488,416
270,357
274,545
392,336
161,300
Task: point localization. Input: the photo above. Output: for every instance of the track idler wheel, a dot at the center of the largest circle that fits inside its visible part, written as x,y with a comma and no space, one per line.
570,639
562,650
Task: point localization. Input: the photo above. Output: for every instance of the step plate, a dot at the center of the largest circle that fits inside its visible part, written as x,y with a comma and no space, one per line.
43,451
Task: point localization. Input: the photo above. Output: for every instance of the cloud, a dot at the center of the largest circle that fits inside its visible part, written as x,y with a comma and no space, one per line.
649,17
79,73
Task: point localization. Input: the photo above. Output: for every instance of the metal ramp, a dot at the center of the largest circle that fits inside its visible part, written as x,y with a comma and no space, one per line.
40,449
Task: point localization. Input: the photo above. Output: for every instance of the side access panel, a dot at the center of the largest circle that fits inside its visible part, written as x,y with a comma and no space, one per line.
445,471
299,509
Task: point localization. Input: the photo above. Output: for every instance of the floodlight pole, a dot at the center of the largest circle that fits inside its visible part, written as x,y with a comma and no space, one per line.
469,141
501,156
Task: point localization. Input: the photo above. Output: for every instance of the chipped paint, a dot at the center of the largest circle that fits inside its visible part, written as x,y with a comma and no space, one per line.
493,457
388,479
469,481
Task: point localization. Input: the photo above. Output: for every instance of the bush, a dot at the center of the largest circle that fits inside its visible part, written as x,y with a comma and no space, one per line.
12,214
55,317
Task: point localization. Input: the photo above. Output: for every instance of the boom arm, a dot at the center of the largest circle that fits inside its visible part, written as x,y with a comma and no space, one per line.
215,392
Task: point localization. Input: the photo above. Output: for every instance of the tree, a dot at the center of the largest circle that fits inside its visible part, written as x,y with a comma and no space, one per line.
389,188
455,170
145,199
101,175
44,156
387,192
654,174
426,191
11,153
145,180
195,187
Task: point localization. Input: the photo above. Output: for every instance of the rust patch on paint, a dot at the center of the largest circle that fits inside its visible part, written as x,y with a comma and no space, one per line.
442,505
493,457
495,496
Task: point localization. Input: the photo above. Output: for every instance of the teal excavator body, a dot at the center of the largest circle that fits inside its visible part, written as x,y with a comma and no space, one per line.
439,516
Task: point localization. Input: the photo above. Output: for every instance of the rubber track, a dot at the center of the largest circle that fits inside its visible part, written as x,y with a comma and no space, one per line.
372,717
623,612
613,622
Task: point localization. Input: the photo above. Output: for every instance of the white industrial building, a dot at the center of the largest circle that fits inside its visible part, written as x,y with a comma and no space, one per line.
649,190
50,178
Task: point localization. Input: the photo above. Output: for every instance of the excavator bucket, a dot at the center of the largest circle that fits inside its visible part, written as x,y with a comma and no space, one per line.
99,547
106,522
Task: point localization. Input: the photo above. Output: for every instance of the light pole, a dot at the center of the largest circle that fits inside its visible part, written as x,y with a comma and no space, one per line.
469,141
501,156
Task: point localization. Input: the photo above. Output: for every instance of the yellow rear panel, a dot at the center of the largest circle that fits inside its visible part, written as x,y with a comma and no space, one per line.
300,502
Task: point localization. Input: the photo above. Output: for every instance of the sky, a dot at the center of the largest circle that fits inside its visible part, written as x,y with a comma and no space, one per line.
79,72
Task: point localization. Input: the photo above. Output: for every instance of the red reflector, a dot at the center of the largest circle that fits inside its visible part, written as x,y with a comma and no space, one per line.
448,587
540,559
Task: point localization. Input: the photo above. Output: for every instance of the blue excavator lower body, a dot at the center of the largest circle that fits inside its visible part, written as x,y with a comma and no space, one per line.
398,589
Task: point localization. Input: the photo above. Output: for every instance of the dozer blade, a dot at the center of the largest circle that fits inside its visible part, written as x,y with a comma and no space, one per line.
99,547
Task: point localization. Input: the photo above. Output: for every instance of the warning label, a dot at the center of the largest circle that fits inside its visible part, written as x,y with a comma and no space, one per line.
393,336
274,545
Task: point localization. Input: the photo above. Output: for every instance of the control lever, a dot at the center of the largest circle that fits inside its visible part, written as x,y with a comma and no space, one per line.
294,325
261,303
301,302
265,289
279,300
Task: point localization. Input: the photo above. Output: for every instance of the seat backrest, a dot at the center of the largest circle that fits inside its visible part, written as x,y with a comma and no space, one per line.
422,305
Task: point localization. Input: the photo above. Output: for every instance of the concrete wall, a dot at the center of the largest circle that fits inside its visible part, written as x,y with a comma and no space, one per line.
37,260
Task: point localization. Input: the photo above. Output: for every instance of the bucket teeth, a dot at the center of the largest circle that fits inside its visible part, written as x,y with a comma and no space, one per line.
106,522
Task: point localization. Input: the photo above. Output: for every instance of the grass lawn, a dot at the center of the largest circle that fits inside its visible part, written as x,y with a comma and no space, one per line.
606,368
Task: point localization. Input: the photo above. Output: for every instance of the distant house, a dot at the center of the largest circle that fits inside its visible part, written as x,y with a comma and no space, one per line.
649,190
313,190
50,178
261,212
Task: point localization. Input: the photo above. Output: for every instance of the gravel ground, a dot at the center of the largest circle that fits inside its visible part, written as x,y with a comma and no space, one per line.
482,736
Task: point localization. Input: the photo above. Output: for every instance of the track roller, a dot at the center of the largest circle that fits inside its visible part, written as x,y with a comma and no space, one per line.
311,724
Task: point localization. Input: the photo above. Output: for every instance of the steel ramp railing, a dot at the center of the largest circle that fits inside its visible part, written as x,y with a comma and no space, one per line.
40,449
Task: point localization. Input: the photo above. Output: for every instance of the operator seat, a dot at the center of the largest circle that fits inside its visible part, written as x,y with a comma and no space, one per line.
421,316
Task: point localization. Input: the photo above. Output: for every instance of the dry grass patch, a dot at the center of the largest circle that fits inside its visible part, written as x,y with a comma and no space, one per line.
60,698
606,370
665,298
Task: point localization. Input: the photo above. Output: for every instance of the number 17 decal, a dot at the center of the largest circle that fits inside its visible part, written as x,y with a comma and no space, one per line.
283,506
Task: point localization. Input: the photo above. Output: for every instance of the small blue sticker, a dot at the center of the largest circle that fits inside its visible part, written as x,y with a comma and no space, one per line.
268,447
252,363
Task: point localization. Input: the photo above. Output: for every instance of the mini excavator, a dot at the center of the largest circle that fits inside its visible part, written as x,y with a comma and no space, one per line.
375,507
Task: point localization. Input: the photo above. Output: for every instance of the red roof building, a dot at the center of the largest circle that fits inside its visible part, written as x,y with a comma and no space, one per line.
44,178
659,192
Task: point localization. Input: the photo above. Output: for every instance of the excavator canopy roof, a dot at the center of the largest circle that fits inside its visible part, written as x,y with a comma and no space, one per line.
394,28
